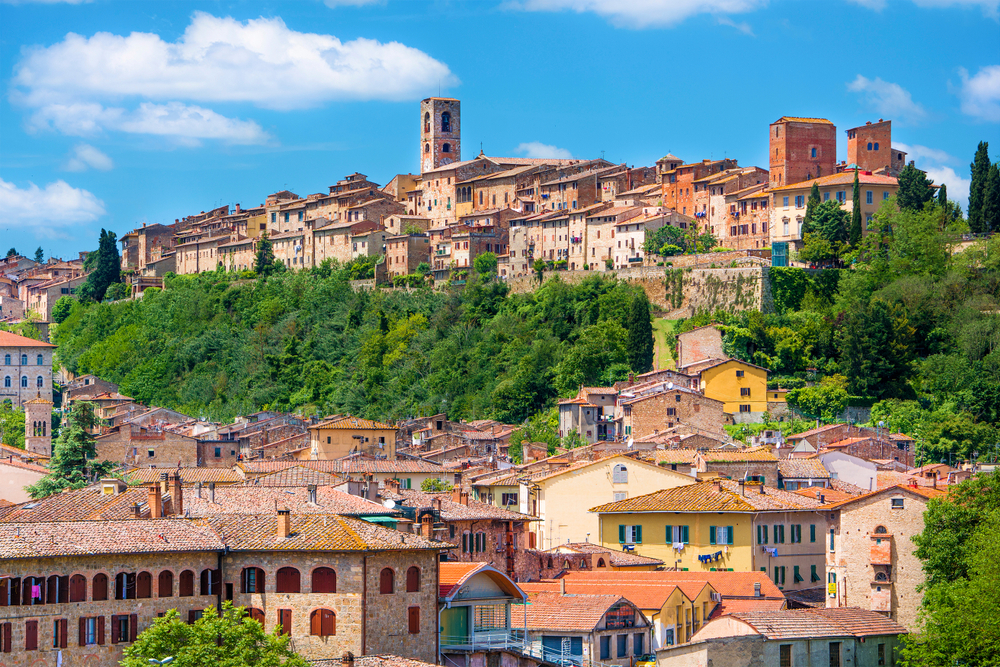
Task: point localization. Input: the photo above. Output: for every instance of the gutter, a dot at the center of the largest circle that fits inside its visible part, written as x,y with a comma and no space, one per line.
364,605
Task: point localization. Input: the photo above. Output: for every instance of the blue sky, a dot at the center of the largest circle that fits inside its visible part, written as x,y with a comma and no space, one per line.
116,113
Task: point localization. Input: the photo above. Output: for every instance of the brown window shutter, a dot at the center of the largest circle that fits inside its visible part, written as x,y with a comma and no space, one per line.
63,632
329,622
6,630
133,627
316,623
83,631
31,636
114,629
191,616
285,618
414,619
531,540
100,630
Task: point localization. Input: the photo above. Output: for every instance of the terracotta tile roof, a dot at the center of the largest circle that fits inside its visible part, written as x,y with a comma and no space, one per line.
7,451
453,575
251,499
615,558
803,469
698,497
728,607
86,538
351,423
847,487
739,455
453,511
672,456
820,622
8,339
771,499
351,465
312,532
846,442
830,495
189,476
79,505
797,119
727,584
843,178
17,463
812,431
922,491
571,612
297,476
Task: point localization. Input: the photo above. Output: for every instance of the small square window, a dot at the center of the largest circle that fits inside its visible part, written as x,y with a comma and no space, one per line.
150,453
896,503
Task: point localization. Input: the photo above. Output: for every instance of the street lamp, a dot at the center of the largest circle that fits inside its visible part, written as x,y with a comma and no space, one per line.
165,661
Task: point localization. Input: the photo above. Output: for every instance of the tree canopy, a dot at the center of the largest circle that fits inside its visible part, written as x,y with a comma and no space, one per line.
104,266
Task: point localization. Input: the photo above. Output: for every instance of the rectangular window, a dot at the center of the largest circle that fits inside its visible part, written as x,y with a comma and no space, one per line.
739,374
31,636
796,578
745,408
826,196
622,645
813,576
812,152
745,392
881,654
285,620
762,532
831,539
629,534
59,632
638,644
508,498
785,655
834,654
786,202
606,647
869,197
678,535
812,533
800,201
413,618
885,195
896,503
620,495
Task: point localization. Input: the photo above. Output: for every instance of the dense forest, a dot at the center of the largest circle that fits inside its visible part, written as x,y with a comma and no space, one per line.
910,328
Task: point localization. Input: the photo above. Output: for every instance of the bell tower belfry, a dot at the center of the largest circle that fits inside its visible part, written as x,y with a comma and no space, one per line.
38,426
440,132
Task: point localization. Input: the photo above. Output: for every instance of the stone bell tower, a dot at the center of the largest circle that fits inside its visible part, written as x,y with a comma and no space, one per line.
440,132
38,426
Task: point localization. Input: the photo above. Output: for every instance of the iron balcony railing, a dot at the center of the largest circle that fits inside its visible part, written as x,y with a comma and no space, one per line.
477,641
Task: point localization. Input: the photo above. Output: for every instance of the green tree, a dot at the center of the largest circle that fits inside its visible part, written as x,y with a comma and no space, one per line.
914,189
71,466
12,252
827,399
423,269
106,269
485,264
431,485
854,238
540,427
980,169
811,204
264,263
539,268
230,640
116,292
831,222
991,201
640,335
943,196
876,346
39,255
62,308
11,425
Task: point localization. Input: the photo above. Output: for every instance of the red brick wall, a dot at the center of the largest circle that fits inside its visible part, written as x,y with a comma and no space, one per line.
791,151
858,140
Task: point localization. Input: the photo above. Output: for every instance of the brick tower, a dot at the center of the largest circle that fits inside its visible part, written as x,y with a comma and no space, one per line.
870,147
802,149
38,426
440,132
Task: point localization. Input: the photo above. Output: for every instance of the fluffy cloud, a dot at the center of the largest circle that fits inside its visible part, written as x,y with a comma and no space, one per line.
958,187
539,150
642,13
920,154
86,157
889,99
937,165
980,94
140,83
48,209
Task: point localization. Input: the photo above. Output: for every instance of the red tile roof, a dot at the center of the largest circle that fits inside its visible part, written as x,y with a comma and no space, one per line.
453,575
8,339
87,538
571,612
250,499
87,504
820,622
727,584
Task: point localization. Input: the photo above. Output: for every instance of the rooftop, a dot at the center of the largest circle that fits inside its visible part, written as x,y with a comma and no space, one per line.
88,538
8,339
348,422
843,178
820,622
267,500
803,468
571,612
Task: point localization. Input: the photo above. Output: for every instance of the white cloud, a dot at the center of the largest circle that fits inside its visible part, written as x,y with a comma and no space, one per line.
958,187
140,83
936,163
889,99
537,149
48,209
87,157
980,94
743,27
641,13
920,153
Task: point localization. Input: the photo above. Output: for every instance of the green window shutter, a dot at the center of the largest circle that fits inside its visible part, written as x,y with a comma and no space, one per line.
763,569
758,536
813,577
685,535
711,569
765,534
670,534
782,533
711,534
812,533
638,534
729,535
621,534
775,533
776,575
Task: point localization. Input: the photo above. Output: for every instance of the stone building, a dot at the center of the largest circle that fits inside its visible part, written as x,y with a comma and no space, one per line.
25,369
869,146
678,184
440,132
664,406
870,559
698,345
801,149
754,464
746,221
38,426
343,434
146,244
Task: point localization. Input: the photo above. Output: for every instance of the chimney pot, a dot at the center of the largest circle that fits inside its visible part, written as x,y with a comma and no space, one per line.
427,526
176,495
716,486
211,492
136,511
762,488
284,523
756,589
347,660
562,586
456,494
155,502
312,494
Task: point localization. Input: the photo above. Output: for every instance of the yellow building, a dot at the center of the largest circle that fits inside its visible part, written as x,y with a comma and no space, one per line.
342,435
741,386
722,525
560,494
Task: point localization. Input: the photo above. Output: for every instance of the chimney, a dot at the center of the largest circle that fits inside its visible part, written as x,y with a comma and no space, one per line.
155,501
163,483
934,482
743,487
562,586
197,489
176,495
211,492
465,497
347,660
436,504
762,488
284,523
427,526
716,485
136,511
756,589
456,494
312,494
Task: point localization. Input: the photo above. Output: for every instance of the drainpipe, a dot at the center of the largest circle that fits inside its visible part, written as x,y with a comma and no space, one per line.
437,587
218,595
364,605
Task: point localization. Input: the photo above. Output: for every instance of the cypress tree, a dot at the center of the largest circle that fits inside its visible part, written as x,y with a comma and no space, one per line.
39,256
71,466
264,264
943,196
811,204
106,268
914,189
980,171
640,335
856,230
991,201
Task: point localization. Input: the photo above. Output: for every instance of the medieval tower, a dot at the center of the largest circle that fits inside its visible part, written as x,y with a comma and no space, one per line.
440,132
38,426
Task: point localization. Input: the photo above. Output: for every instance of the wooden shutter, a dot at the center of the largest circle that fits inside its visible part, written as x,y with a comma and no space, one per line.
531,540
100,586
63,632
165,588
316,623
638,534
100,630
285,619
324,580
187,583
385,585
414,620
729,534
133,627
192,616
83,631
685,534
31,635
413,579
621,534
6,630
114,630
144,585
711,534
329,622
670,534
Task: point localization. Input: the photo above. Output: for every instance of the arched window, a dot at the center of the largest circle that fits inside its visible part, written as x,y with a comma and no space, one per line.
480,198
550,563
24,360
445,148
209,582
880,529
6,360
287,581
446,122
78,588
144,585
33,591
413,579
869,145
387,581
186,584
324,580
24,381
100,586
6,381
427,148
619,475
600,562
57,589
881,576
876,145
427,122
41,361
39,382
125,586
252,579
165,584
322,623
583,563
256,614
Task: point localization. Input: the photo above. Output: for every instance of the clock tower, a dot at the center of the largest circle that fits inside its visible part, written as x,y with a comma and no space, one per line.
440,132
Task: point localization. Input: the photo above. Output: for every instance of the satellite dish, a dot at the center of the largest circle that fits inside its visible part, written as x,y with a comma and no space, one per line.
389,504
670,386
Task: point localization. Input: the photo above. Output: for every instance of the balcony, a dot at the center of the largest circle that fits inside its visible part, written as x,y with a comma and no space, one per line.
493,640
